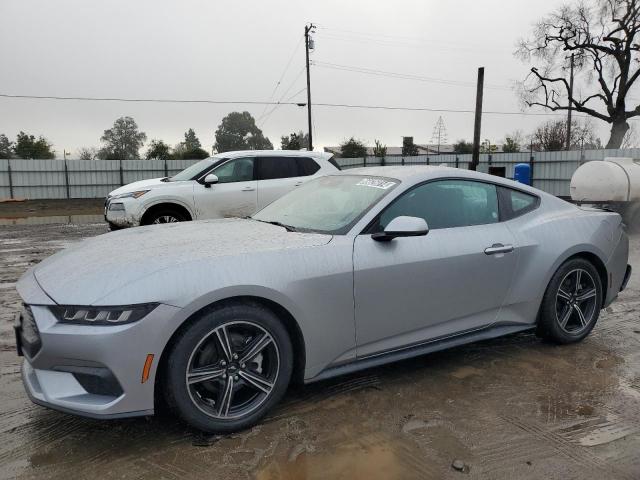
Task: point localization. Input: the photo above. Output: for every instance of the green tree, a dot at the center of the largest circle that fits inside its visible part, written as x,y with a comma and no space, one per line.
158,150
191,141
380,151
27,146
5,147
462,147
238,131
510,145
295,141
353,148
122,141
191,148
408,147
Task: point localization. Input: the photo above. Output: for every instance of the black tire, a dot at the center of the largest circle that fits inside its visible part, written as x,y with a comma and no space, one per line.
569,315
164,215
201,405
113,227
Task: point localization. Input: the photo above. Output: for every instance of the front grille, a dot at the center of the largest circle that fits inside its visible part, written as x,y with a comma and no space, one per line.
29,333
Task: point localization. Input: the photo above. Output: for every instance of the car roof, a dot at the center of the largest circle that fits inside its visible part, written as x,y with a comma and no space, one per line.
412,174
271,153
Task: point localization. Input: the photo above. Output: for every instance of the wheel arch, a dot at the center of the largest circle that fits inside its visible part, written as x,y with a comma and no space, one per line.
151,209
285,316
591,255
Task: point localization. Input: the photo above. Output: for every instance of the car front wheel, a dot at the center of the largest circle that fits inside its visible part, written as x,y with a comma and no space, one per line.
229,367
571,305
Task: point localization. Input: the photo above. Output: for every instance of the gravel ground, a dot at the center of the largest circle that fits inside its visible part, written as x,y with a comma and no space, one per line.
514,407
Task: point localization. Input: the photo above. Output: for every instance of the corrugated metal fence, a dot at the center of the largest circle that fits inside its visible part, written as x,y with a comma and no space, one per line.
551,171
35,179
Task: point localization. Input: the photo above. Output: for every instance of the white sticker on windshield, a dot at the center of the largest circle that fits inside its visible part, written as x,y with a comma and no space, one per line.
376,183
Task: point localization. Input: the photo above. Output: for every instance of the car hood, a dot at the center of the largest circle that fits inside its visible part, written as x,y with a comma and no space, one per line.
90,270
140,185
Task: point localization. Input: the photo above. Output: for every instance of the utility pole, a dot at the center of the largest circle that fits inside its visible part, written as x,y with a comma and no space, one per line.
570,105
475,158
307,30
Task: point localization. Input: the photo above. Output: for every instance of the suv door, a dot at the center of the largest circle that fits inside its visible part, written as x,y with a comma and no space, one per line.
415,289
279,175
235,194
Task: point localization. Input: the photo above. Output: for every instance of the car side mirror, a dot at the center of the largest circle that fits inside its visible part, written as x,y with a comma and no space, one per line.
210,179
402,227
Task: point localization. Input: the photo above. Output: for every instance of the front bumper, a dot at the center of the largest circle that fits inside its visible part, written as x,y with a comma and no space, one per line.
95,371
121,218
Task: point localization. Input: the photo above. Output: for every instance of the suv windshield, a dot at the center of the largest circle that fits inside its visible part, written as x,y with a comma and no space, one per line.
194,170
328,204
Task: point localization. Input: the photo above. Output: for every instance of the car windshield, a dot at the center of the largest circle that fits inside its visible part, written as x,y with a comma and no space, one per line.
329,204
193,171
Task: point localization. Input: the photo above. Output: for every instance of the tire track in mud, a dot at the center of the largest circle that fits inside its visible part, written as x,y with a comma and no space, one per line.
566,447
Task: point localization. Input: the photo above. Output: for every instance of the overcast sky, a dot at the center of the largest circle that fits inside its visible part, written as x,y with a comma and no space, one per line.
233,51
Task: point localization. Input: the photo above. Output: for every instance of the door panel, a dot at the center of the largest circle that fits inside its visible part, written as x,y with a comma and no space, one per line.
415,289
276,176
236,194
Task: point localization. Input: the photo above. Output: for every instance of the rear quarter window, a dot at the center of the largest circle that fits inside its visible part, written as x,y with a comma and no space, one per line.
514,203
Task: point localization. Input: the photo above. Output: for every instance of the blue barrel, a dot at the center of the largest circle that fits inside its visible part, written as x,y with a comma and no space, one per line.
522,173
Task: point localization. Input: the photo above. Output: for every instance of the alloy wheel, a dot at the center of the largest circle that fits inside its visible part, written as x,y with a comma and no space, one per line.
576,301
166,219
232,371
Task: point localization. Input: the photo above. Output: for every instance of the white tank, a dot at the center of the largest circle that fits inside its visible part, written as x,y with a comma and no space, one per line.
608,180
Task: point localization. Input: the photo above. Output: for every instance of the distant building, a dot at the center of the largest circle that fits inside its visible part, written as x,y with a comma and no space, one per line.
423,149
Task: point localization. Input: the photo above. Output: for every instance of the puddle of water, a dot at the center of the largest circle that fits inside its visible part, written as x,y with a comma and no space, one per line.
75,219
371,457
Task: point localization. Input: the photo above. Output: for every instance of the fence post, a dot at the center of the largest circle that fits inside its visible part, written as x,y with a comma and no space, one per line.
489,159
166,169
427,159
457,161
364,160
121,174
531,163
10,179
402,161
66,177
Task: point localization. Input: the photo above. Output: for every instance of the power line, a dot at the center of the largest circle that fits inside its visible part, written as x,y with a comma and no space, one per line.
375,36
278,104
144,100
281,101
284,72
404,76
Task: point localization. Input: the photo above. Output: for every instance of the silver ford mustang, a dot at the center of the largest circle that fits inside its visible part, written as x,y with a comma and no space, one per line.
349,271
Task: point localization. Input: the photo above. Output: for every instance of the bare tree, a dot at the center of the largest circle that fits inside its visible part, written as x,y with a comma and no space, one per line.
630,139
551,136
602,37
87,153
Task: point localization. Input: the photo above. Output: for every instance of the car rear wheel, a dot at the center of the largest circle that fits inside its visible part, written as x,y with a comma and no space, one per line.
229,368
571,305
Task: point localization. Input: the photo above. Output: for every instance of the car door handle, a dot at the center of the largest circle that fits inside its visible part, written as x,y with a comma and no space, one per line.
498,248
248,189
297,184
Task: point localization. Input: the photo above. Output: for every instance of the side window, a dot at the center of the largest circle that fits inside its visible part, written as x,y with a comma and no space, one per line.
238,170
270,168
307,166
446,204
515,203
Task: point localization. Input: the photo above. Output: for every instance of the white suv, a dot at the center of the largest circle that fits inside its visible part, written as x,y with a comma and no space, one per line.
231,184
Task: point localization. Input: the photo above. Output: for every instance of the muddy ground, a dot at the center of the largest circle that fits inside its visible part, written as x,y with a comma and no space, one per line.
508,408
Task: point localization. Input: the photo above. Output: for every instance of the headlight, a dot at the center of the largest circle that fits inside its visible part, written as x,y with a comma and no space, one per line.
79,315
137,194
